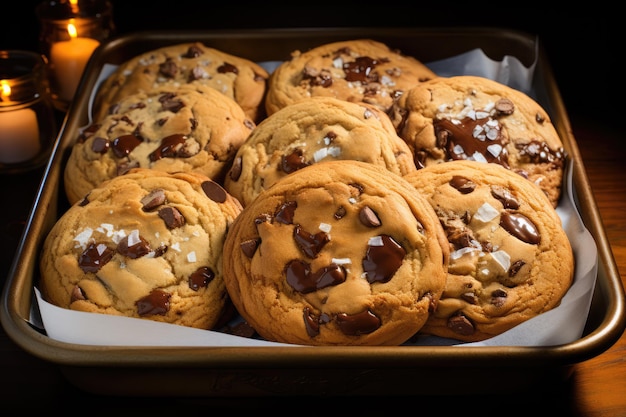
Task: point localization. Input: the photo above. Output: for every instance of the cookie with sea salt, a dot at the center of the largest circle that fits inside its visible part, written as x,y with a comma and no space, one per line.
238,78
310,131
475,118
510,259
189,128
146,245
336,253
357,70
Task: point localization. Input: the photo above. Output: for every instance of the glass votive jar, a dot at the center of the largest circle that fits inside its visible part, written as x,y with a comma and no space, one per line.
70,31
27,119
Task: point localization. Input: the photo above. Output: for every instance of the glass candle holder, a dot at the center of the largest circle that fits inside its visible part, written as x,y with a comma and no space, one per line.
70,32
27,119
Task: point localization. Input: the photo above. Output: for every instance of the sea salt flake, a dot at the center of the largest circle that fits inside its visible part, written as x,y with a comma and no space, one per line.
133,238
502,258
477,156
325,227
486,213
375,241
176,246
83,237
494,149
460,252
341,261
191,256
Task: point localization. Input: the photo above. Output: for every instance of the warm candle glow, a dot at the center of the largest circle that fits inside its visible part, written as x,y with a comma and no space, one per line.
69,59
19,134
5,90
71,29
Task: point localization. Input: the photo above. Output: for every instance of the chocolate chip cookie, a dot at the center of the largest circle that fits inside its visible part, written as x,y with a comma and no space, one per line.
337,253
475,118
189,128
146,245
242,80
358,70
510,259
310,131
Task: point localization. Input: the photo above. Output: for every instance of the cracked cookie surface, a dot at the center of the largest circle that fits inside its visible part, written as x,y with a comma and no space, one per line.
474,118
311,131
189,128
238,78
358,70
510,259
337,253
146,245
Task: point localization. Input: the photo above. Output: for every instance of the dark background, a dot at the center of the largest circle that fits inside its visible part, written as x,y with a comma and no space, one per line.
583,44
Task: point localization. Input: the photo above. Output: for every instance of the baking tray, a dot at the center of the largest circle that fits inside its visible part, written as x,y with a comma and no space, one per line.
332,370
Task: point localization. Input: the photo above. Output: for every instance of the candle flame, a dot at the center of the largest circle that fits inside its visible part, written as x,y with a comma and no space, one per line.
74,6
71,29
5,90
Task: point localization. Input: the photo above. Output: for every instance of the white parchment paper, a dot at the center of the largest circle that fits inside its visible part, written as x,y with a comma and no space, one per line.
563,324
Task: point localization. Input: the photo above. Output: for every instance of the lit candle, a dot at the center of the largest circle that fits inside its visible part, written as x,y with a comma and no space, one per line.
69,59
19,130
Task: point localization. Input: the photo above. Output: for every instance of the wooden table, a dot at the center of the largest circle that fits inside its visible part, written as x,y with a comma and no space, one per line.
597,387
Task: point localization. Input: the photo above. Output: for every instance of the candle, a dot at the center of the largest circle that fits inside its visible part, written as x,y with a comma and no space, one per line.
69,59
19,135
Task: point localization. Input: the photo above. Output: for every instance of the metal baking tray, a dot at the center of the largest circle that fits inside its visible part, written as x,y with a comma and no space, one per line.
342,371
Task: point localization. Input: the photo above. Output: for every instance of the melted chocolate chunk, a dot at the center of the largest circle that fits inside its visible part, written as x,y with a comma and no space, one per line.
133,246
504,107
310,244
214,191
382,262
368,217
498,297
340,213
462,140
123,145
201,278
462,184
168,69
157,302
153,199
505,197
515,267
194,51
311,322
301,279
284,214
95,257
461,325
100,145
249,246
520,226
357,324
293,162
170,102
172,217
361,70
169,148
226,67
